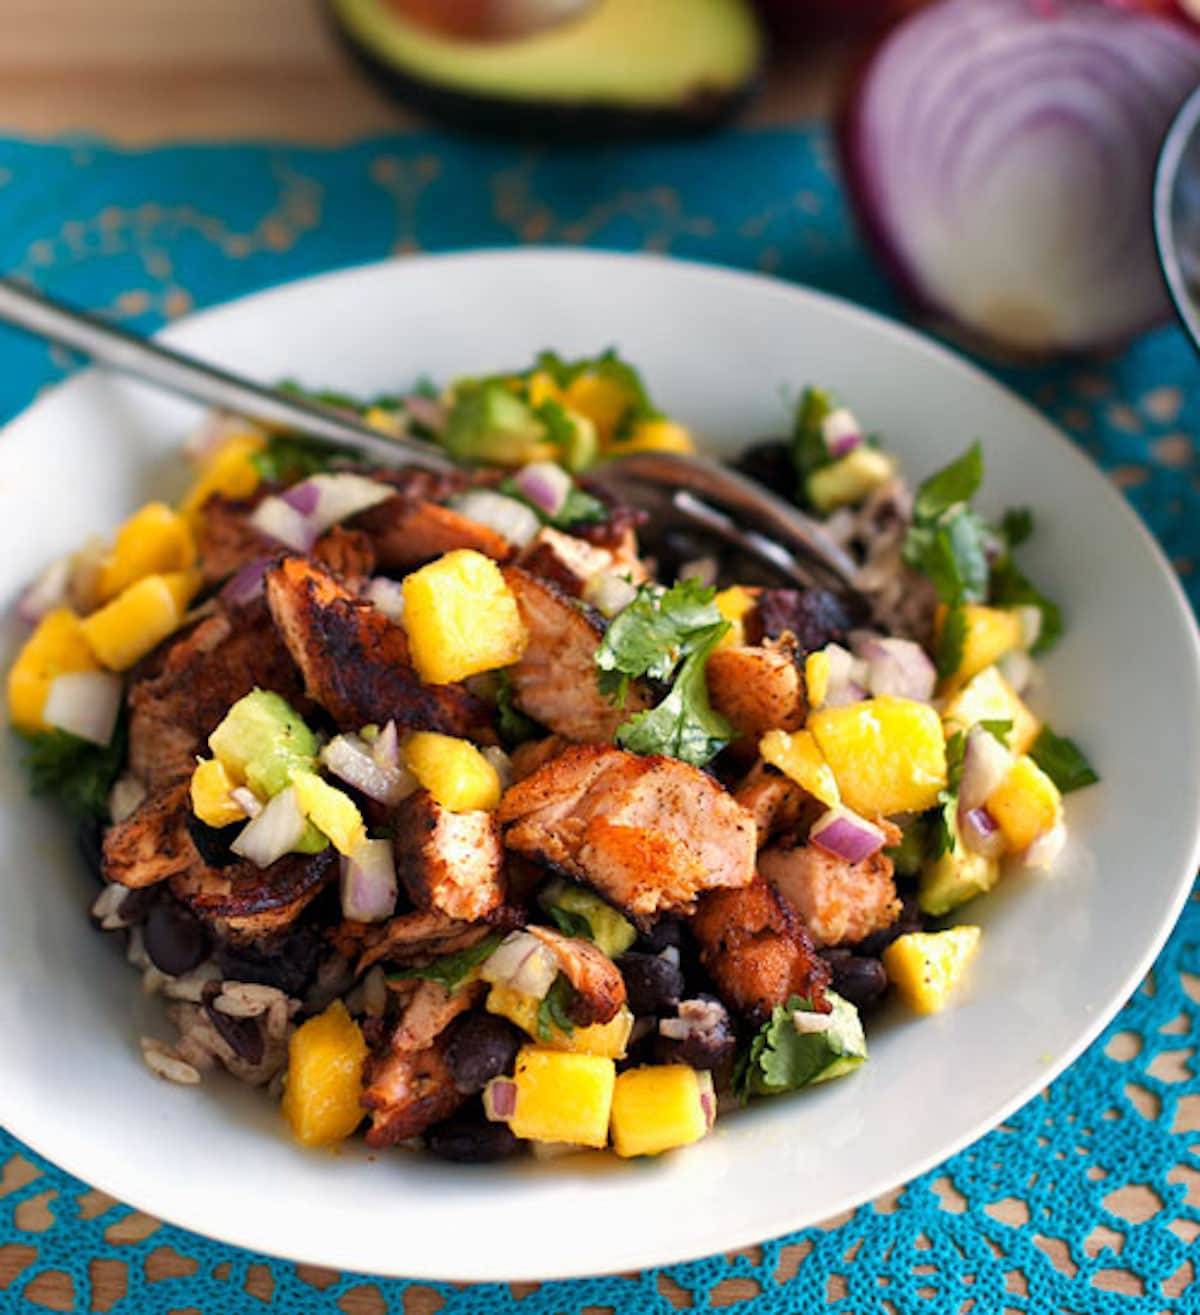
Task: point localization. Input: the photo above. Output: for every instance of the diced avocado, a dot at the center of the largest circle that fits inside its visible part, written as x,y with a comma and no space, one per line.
849,479
621,68
579,909
959,875
263,741
311,841
908,856
575,437
490,424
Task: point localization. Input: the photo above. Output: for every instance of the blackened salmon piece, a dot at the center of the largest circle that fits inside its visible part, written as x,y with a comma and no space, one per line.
153,843
407,1092
406,533
415,938
757,688
449,862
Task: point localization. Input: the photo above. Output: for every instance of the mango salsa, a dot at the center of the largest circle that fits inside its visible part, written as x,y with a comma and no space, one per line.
606,1039
816,677
210,788
653,436
797,756
461,618
324,1078
139,618
602,399
229,471
152,541
733,604
888,755
330,810
1025,805
926,967
563,1097
458,776
990,633
657,1109
989,697
56,647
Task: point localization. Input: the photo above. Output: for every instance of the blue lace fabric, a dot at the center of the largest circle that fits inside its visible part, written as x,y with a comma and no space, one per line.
1087,1199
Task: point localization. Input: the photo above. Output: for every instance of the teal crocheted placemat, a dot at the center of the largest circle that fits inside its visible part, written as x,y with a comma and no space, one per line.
1087,1199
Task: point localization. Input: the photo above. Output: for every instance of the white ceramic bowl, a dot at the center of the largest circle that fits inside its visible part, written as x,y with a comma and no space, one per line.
1059,953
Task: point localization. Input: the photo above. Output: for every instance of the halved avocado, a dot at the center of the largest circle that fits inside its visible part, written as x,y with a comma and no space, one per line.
623,68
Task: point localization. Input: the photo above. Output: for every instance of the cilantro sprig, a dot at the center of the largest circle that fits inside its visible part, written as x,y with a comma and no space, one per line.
942,832
1063,761
452,970
552,1014
78,773
779,1058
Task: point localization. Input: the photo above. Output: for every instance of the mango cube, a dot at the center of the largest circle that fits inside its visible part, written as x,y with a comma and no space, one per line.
1025,805
458,776
733,604
926,967
330,810
657,1109
888,755
602,399
816,677
563,1097
989,697
461,618
321,1101
798,756
229,471
990,633
210,794
139,618
608,1040
57,647
654,436
152,541
543,388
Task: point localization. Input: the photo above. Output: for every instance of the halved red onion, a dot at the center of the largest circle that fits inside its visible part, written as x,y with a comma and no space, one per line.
523,963
609,593
368,882
511,519
546,485
500,1100
427,411
85,704
274,832
986,763
1001,154
48,591
848,677
246,800
386,749
387,595
897,667
281,521
353,760
844,834
841,432
1046,848
980,833
708,1096
246,584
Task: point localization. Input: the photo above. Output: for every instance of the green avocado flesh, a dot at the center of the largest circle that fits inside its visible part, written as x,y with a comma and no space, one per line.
611,931
266,740
621,68
956,877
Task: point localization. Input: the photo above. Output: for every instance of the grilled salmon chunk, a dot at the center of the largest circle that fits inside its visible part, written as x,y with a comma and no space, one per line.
407,1092
448,862
417,938
555,680
152,844
757,688
758,950
597,981
648,833
355,662
407,533
777,803
840,902
567,561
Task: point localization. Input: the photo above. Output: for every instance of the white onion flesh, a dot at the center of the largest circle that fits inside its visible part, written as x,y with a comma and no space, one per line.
246,800
353,760
521,962
986,764
1019,669
1043,852
898,667
609,593
280,521
1002,154
274,832
841,432
806,1023
980,834
388,596
368,882
50,590
512,520
501,764
848,676
85,704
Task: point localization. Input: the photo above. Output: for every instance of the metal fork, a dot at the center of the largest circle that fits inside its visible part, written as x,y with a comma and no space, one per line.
674,489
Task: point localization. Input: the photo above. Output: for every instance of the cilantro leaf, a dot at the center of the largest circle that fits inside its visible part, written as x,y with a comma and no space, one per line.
1017,526
955,483
951,642
570,924
580,508
552,1013
684,725
781,1059
452,970
1063,762
952,553
945,820
809,449
76,772
514,726
1000,728
651,634
1010,587
287,458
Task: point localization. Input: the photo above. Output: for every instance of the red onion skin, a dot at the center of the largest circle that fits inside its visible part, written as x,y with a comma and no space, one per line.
303,497
846,839
840,447
246,584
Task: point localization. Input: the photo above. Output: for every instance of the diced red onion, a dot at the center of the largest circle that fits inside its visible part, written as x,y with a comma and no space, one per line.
980,833
246,800
986,763
274,832
701,569
1043,852
1019,669
427,411
511,519
246,584
898,667
848,677
84,703
500,1100
1001,153
806,1022
846,835
386,749
343,495
304,497
48,591
125,797
368,882
281,521
353,760
609,593
708,1096
841,432
522,962
388,596
546,485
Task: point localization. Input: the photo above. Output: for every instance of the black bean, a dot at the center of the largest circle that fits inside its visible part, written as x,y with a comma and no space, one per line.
858,978
815,616
244,1036
665,934
289,964
89,835
212,842
467,1139
909,920
175,939
480,1047
709,1044
653,985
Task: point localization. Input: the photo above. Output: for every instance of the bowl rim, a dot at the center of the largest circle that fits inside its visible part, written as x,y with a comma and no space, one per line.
743,1235
1180,131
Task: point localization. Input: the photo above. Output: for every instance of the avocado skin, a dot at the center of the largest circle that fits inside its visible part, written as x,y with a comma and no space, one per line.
542,120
